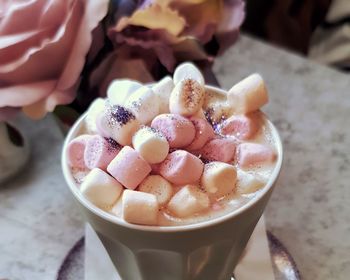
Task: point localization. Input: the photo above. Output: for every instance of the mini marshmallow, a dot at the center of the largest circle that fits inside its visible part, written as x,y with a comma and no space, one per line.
144,104
117,208
216,111
94,110
150,144
218,178
163,89
221,149
188,201
157,185
75,151
248,95
250,154
101,189
99,152
178,130
188,71
204,132
129,168
200,114
181,167
118,123
119,90
140,208
248,183
241,126
186,98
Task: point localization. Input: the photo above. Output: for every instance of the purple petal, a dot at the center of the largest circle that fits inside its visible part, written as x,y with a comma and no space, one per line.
157,40
228,29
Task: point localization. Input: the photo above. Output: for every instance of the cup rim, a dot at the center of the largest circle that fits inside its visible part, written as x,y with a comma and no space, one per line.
179,228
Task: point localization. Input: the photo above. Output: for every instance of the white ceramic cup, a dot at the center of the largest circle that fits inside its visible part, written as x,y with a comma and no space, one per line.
207,250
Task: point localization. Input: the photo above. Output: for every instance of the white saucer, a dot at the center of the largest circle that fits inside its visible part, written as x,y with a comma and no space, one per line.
88,260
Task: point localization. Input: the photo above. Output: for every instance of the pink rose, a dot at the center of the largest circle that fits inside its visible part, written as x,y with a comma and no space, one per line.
43,47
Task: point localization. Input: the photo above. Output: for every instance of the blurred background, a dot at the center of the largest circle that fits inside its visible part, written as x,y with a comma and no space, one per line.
319,29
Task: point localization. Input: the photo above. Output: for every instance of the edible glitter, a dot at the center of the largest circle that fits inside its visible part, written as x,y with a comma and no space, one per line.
113,145
121,114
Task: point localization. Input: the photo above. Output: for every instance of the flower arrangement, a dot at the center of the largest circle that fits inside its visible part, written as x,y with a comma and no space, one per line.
68,51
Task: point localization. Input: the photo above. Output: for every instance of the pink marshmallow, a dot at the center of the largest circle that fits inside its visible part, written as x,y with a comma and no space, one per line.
181,167
220,149
75,151
241,126
249,154
204,132
129,168
99,152
178,130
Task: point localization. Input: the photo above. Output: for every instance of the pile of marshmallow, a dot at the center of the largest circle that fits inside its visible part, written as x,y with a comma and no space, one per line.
146,141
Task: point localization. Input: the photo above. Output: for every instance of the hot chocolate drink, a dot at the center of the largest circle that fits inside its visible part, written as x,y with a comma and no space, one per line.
175,152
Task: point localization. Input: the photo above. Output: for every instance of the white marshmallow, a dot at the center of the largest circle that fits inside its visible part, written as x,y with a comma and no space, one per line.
218,110
188,71
157,185
118,123
248,95
140,207
151,145
119,90
144,104
186,98
248,183
117,209
101,189
218,178
94,110
163,89
188,200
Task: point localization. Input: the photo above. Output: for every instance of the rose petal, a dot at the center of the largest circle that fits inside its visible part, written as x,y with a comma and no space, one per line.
29,14
118,65
232,16
202,23
169,49
13,39
54,60
34,64
38,109
155,39
155,16
12,47
53,13
67,85
60,97
189,49
232,19
94,13
25,94
134,69
29,66
192,1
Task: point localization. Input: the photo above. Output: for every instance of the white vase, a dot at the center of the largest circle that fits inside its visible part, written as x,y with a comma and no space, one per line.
14,150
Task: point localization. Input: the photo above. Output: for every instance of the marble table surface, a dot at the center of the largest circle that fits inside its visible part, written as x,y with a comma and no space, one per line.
309,210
